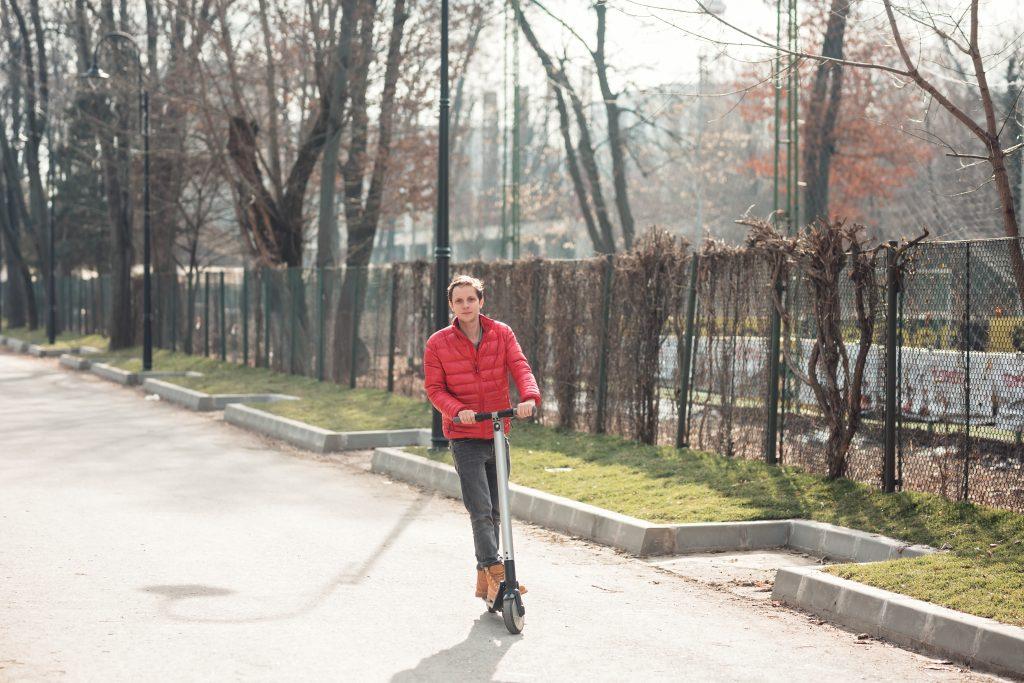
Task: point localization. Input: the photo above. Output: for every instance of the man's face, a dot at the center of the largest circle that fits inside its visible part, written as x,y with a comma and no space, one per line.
465,304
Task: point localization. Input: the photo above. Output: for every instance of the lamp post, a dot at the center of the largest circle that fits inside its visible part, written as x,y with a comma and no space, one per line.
51,279
442,251
95,72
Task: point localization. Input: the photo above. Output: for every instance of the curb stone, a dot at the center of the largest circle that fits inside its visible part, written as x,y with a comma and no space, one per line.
317,439
75,362
40,351
115,374
132,379
643,538
201,401
16,345
633,535
975,641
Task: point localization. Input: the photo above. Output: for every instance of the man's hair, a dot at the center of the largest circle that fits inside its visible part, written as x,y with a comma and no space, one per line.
464,280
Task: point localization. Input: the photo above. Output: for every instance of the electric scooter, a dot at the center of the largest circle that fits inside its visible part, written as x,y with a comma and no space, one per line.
508,601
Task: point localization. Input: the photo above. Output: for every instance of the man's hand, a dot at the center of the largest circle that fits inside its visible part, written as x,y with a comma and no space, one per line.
525,409
467,417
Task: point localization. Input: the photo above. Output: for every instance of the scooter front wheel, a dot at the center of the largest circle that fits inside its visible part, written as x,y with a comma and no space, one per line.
514,621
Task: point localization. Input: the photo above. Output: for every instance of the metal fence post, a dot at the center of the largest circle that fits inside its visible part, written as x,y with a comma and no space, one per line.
685,355
223,321
293,318
392,329
602,363
265,276
190,311
892,285
969,339
320,328
174,311
354,340
206,314
774,335
245,317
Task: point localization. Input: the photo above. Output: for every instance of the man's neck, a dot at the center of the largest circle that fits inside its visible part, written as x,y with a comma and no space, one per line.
471,330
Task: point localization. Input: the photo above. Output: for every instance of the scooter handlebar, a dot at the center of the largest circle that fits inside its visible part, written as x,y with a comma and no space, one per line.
482,417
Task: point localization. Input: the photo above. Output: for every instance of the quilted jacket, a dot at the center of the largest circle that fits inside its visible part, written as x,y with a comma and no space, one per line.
461,377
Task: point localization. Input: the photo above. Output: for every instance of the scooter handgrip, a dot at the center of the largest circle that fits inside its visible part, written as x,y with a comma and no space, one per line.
481,417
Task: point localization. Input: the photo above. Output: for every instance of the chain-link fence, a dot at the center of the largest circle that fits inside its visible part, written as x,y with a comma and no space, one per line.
616,348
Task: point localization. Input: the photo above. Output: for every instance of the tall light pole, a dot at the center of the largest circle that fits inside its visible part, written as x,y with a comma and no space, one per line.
95,72
442,251
51,279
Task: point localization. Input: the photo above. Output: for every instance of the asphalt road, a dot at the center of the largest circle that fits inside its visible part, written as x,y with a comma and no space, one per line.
139,541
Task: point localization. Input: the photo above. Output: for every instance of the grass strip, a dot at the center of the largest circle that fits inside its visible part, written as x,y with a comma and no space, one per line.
67,338
983,573
323,404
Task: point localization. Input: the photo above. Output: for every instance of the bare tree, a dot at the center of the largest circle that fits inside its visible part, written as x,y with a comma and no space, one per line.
580,158
362,214
951,34
823,257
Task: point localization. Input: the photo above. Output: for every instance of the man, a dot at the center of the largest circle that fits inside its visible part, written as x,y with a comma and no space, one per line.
467,367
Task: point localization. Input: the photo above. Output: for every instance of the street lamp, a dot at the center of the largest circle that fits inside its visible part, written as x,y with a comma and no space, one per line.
442,251
95,72
51,279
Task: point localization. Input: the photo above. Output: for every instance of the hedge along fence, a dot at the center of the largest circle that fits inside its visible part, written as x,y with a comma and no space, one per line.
607,338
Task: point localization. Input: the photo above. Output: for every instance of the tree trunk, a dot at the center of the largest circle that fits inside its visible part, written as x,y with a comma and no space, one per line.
327,229
362,218
616,141
822,112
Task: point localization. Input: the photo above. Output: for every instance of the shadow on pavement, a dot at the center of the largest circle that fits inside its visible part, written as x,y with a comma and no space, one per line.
475,659
173,593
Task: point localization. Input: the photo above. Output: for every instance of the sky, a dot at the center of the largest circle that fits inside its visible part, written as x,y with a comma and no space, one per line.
658,41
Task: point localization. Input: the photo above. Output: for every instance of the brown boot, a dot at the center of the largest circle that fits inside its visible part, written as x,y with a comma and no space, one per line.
495,575
481,583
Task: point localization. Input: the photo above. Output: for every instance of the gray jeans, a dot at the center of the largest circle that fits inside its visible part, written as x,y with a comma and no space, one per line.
478,476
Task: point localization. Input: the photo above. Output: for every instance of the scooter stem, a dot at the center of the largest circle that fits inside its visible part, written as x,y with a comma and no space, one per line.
501,465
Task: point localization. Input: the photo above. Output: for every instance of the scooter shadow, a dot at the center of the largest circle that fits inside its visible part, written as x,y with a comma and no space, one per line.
474,659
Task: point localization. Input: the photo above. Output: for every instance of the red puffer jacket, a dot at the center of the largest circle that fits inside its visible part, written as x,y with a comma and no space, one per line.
460,377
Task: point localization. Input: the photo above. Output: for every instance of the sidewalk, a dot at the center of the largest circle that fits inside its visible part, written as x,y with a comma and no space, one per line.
143,541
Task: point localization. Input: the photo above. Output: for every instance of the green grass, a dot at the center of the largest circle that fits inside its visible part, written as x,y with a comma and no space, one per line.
66,338
982,573
323,404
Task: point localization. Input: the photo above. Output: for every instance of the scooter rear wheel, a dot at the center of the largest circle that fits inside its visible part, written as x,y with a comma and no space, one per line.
514,621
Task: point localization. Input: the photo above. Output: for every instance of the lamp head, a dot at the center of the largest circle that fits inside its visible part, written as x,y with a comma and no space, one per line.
95,73
716,7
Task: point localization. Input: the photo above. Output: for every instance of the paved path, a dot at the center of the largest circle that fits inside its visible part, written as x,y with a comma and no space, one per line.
142,542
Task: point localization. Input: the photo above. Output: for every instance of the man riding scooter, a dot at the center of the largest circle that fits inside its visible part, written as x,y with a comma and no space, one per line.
467,366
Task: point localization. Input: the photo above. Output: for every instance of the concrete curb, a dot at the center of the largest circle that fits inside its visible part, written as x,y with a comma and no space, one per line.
975,641
40,351
16,345
75,362
544,509
640,537
833,542
115,374
201,401
317,439
133,379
